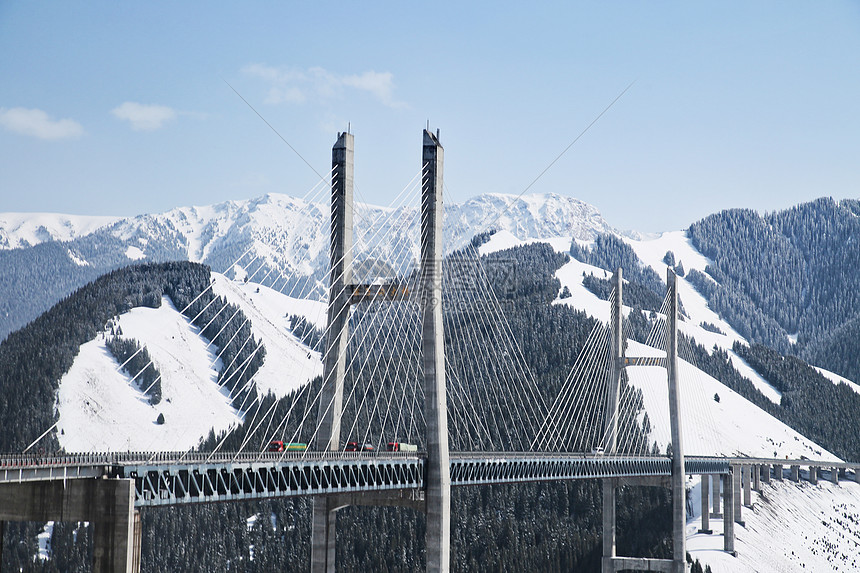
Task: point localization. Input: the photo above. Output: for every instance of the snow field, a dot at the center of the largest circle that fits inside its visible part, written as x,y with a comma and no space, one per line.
101,410
288,364
732,427
790,527
837,379
25,229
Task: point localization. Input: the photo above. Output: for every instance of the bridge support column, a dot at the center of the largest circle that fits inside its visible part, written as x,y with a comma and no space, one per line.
728,513
706,511
813,474
765,473
323,530
716,496
795,473
438,535
745,477
106,503
609,507
756,470
137,545
737,477
834,475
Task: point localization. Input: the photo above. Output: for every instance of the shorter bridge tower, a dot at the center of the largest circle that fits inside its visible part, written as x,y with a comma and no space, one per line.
611,562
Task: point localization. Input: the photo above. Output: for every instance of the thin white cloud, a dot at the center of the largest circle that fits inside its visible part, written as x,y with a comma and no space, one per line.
291,85
379,84
143,117
37,123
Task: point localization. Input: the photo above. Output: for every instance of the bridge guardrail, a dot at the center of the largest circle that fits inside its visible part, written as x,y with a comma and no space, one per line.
8,461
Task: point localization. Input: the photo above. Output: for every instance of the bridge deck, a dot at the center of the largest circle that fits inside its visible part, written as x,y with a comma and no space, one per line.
178,478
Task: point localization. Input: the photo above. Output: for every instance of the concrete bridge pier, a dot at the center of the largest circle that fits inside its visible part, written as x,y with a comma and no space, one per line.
765,473
745,478
610,554
106,503
716,497
706,511
777,472
610,561
729,513
795,473
834,475
324,524
756,474
736,494
813,474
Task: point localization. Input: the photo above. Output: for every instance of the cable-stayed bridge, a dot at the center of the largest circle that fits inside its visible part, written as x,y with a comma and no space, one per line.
419,351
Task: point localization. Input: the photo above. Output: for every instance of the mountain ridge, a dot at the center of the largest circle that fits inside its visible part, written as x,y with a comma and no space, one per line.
287,236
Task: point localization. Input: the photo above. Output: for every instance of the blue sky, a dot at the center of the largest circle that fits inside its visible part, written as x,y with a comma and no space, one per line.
116,108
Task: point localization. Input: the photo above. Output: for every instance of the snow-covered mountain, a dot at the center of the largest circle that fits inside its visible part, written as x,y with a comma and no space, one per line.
283,239
20,230
101,408
293,233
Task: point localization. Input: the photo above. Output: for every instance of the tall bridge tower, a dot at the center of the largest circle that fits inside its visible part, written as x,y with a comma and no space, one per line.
323,532
437,500
438,505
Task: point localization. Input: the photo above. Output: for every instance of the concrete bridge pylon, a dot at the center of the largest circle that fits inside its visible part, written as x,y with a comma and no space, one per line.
611,561
436,501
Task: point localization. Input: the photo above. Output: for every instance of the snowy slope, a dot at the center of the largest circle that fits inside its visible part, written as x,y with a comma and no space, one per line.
733,427
288,363
291,234
791,527
837,379
651,252
27,229
499,241
101,410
